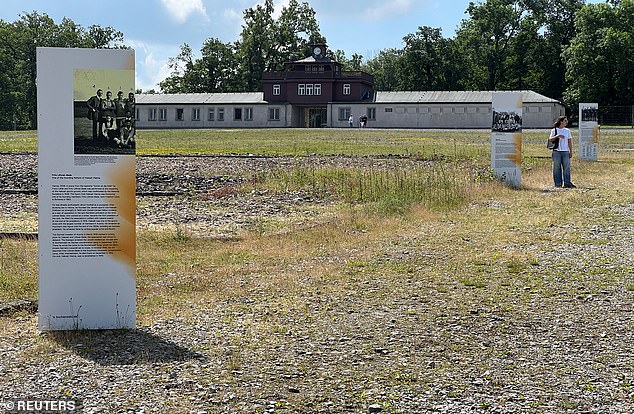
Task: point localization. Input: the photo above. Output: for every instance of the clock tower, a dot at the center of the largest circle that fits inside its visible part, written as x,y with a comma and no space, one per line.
311,85
318,51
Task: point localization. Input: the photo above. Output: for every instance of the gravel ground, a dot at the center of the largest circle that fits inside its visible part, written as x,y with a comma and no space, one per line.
387,336
203,198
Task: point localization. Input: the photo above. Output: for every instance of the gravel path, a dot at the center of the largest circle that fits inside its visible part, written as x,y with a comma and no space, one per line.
394,331
204,202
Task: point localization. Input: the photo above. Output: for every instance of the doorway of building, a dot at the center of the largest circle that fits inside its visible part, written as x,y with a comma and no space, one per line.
316,118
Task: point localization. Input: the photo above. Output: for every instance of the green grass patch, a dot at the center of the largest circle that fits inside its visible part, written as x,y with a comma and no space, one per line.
18,269
473,282
415,143
421,143
18,141
386,191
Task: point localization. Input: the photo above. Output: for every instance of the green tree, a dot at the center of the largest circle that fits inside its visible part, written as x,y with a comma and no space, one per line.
558,24
183,79
255,46
486,38
385,69
11,97
215,71
99,37
356,62
266,43
18,43
339,55
600,59
297,29
523,63
219,66
427,61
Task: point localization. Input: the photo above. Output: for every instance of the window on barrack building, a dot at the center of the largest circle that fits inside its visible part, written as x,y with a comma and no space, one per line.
344,113
274,114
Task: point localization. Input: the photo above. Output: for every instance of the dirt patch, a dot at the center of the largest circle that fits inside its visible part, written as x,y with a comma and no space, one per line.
521,302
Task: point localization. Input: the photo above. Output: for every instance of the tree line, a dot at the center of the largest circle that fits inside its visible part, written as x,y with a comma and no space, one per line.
18,41
564,49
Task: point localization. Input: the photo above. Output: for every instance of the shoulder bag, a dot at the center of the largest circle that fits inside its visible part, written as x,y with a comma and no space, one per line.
552,145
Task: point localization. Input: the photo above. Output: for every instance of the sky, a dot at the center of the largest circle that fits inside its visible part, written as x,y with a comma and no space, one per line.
157,28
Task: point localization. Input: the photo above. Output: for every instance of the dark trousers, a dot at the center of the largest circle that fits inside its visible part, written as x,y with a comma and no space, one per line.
561,168
95,128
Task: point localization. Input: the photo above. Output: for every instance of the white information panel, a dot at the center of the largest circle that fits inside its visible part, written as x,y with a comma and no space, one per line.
506,137
86,190
588,131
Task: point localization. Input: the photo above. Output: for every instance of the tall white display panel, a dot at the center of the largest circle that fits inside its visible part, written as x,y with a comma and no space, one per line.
588,131
86,173
506,137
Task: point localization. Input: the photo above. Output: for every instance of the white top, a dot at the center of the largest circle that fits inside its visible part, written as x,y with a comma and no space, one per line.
563,143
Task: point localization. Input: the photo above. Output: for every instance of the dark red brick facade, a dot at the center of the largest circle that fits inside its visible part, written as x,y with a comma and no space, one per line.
316,81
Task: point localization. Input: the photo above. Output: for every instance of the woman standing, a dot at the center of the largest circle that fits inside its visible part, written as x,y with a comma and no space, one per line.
562,153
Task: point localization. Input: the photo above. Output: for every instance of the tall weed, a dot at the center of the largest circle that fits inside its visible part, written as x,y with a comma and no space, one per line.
437,186
18,269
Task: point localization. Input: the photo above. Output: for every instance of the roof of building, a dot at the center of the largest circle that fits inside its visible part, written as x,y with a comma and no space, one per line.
379,97
200,98
312,59
453,97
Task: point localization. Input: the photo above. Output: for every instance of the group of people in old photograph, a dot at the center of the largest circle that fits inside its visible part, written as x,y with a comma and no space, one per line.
113,121
507,122
589,114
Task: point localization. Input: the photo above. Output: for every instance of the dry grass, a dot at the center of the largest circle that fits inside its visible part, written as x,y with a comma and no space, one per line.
18,269
176,268
468,288
614,143
210,271
500,222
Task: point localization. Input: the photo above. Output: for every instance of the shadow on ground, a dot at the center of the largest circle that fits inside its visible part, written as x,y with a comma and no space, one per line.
122,347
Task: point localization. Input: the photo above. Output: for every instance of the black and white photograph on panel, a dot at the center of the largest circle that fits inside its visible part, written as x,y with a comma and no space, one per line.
507,121
104,111
589,114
